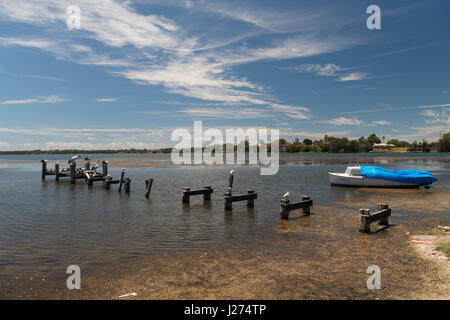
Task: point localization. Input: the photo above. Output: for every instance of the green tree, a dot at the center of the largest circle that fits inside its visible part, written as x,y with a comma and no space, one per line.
444,143
308,142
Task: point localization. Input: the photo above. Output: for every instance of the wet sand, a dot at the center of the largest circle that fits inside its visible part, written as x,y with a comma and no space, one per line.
285,265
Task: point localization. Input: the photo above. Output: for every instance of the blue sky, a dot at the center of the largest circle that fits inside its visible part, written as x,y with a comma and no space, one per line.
137,70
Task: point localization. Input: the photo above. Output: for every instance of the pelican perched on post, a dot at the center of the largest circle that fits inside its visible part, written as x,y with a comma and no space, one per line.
94,167
286,195
73,158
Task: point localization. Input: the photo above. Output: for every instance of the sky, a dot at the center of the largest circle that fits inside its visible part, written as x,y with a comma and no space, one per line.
137,70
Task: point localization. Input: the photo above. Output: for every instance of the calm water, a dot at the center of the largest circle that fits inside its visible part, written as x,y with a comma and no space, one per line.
45,226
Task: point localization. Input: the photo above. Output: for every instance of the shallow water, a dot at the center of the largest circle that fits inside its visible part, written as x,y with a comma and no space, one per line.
46,226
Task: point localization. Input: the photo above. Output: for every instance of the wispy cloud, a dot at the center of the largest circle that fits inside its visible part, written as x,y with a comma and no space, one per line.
106,99
226,113
382,122
355,76
42,99
329,69
398,108
342,121
160,51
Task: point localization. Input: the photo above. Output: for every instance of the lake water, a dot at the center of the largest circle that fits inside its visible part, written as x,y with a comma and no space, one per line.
45,226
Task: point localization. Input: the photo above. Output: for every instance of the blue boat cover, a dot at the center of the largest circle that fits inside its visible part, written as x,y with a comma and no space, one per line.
407,176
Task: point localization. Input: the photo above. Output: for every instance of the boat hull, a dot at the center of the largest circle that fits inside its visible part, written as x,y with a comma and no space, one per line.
339,179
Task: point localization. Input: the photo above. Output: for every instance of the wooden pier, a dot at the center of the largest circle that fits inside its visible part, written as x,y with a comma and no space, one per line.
187,193
382,216
286,207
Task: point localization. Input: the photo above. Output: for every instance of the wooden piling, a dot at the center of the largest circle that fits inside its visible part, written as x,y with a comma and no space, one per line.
87,166
384,221
44,169
122,176
148,187
185,195
106,182
251,200
364,225
127,182
284,208
105,168
366,218
207,194
73,172
56,171
306,209
228,202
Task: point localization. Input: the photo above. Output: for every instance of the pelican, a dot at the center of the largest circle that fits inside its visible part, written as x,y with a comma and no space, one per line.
232,171
286,195
74,158
94,167
87,158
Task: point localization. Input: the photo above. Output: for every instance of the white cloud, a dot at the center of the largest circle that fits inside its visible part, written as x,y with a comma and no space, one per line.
41,99
328,69
382,122
355,76
342,121
106,99
226,113
154,50
398,108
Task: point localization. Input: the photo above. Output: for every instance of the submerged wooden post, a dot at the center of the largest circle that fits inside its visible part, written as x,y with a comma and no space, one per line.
185,195
207,194
307,209
127,182
122,175
365,222
250,201
148,187
384,221
56,171
73,173
106,182
227,197
284,208
105,168
44,169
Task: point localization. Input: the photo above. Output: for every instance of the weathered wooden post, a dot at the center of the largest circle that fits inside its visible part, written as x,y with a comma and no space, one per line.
185,195
90,179
127,182
207,194
227,197
365,222
122,176
87,166
56,171
307,209
107,183
105,168
284,208
384,221
148,187
44,169
73,171
250,201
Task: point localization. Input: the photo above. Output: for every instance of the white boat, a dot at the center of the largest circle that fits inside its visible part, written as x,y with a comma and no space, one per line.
352,178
